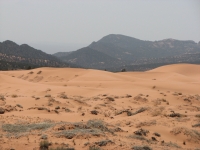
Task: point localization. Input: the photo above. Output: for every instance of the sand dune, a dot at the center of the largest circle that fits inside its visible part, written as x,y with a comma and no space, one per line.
85,108
184,69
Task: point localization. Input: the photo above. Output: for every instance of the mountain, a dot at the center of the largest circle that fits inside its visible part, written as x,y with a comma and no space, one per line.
116,51
14,56
132,49
90,58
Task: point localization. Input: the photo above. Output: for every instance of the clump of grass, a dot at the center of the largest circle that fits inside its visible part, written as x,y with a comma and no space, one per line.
139,111
196,125
2,97
57,107
41,108
170,144
158,111
39,72
128,96
146,123
98,124
91,128
18,105
138,137
81,102
44,137
141,148
110,98
129,113
48,90
67,110
37,98
193,135
198,115
63,95
94,112
2,110
94,147
104,142
69,134
44,145
96,98
19,128
14,96
140,98
141,132
157,134
47,95
31,72
62,148
177,115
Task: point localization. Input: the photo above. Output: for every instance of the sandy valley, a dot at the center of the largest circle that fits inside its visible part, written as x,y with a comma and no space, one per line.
85,109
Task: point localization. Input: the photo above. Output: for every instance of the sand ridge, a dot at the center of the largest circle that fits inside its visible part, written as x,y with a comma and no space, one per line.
85,108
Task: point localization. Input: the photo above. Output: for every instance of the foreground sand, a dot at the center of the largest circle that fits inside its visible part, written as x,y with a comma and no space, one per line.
91,109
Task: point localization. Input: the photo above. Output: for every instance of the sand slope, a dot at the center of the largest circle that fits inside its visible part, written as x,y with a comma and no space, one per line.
84,108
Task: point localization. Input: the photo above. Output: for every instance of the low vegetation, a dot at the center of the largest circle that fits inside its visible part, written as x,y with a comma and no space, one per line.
2,97
18,128
141,148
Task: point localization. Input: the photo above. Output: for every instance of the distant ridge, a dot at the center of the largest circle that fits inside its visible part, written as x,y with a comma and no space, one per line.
14,56
90,58
135,54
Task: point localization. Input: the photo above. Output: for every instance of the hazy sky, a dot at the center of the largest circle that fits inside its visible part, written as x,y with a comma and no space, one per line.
65,25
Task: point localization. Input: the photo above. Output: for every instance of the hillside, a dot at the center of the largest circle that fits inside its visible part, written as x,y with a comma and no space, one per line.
14,56
128,51
89,58
132,49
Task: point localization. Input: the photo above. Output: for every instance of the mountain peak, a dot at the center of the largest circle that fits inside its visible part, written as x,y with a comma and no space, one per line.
8,42
116,37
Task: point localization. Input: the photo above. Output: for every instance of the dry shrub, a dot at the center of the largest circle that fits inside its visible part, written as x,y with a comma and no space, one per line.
63,95
146,123
107,114
170,144
159,101
141,148
44,145
31,72
2,97
14,95
140,98
96,98
39,72
81,102
197,115
110,98
192,135
158,111
138,137
47,95
19,128
104,142
48,90
96,107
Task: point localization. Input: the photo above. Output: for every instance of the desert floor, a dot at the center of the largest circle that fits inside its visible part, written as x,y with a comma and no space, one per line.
98,110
